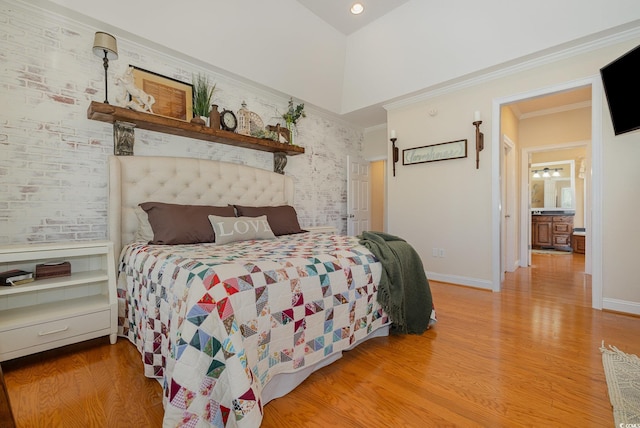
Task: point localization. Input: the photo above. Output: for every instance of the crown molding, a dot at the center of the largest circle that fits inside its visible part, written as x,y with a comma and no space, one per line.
554,110
379,127
588,44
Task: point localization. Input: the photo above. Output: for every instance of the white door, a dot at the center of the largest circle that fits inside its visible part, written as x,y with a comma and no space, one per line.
509,206
358,214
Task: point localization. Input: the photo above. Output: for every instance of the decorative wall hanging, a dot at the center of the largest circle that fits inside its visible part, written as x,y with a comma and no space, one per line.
435,152
173,98
479,137
394,150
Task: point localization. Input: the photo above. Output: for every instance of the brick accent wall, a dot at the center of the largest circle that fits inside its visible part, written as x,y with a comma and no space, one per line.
53,160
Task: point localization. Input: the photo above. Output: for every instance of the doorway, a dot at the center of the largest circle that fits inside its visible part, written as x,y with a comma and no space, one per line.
566,192
378,196
593,216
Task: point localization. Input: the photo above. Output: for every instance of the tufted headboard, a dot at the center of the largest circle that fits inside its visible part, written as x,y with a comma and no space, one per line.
136,179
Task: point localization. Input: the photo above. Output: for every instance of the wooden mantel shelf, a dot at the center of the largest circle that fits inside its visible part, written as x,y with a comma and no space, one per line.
151,122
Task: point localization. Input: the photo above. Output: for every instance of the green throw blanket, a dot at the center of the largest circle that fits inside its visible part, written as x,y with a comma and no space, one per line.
404,291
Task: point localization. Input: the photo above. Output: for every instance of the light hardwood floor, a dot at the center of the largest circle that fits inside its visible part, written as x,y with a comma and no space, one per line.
528,356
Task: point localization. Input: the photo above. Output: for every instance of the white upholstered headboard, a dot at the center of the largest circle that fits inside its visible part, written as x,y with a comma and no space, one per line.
137,179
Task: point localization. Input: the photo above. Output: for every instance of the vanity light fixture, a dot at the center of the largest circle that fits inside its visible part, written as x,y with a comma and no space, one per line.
394,150
105,44
546,172
479,137
357,8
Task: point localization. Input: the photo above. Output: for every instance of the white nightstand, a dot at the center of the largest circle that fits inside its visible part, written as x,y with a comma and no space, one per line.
322,229
52,312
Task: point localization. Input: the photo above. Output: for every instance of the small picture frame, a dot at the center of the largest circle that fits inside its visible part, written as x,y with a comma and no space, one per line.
435,152
173,98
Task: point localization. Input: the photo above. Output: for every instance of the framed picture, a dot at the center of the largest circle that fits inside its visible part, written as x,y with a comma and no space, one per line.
173,98
435,152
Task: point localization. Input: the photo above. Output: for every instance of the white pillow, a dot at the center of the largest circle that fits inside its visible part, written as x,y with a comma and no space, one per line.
232,229
144,232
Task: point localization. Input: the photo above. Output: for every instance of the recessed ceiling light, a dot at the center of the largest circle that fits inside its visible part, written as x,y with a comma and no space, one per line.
357,8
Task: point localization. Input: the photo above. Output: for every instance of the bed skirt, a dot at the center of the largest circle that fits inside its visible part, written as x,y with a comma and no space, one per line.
283,383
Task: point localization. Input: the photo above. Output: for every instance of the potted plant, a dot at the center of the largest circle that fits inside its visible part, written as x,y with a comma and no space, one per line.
291,117
202,94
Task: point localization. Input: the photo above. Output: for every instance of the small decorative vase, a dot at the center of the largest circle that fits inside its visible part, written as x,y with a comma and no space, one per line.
198,120
291,127
214,117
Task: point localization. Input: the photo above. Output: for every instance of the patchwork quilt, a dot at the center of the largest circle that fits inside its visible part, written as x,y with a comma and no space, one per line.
216,323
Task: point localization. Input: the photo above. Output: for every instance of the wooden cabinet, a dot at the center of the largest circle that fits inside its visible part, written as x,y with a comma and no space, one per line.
52,312
541,228
562,231
551,231
579,245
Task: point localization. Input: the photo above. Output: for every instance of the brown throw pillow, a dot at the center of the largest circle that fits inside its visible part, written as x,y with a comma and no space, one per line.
174,224
283,219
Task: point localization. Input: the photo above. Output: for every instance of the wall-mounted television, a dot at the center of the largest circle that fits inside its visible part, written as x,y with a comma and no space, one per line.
621,81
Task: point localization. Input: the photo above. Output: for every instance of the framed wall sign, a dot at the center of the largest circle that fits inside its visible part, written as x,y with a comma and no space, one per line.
173,98
435,152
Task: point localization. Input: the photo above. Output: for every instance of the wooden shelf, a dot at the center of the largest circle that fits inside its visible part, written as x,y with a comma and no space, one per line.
151,122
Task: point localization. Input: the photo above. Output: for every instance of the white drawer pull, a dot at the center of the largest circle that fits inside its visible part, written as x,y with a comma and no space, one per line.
45,333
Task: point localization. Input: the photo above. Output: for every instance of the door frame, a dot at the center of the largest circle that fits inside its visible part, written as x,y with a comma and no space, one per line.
593,217
525,217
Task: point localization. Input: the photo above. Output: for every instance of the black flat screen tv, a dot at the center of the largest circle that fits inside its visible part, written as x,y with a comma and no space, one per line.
621,81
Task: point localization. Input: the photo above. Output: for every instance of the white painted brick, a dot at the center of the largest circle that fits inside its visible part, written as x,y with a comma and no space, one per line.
53,160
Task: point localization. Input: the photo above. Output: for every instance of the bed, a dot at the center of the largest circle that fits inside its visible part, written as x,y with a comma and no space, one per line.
228,326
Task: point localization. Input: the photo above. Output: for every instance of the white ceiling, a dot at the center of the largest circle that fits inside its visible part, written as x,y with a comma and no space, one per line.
577,98
337,12
349,65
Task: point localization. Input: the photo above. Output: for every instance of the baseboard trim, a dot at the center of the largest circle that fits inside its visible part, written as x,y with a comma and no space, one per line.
623,306
460,280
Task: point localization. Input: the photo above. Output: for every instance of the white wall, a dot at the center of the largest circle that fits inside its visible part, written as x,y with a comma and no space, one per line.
53,162
375,143
448,204
279,44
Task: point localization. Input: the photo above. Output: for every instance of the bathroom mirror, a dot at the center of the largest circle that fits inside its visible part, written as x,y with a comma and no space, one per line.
553,186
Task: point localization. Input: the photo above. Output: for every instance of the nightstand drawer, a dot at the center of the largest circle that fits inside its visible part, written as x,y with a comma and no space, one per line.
38,334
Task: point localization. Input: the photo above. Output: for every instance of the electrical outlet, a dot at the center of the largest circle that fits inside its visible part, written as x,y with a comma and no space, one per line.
441,252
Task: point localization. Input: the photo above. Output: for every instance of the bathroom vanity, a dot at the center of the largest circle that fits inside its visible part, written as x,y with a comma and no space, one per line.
553,204
551,230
